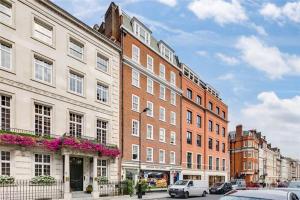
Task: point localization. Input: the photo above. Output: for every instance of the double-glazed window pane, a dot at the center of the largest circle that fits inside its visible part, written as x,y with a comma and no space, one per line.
102,63
43,70
102,130
5,163
41,165
102,93
5,56
76,125
5,112
76,83
43,31
42,120
76,49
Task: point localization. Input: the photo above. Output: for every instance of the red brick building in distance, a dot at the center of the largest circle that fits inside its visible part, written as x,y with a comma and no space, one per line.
204,131
244,154
150,78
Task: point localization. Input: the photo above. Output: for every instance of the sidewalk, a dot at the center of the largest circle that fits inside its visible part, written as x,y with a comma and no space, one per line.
151,195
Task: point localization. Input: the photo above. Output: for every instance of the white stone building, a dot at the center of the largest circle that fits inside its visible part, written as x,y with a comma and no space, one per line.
57,75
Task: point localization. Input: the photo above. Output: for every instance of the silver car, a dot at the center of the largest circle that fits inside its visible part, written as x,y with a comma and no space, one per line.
260,195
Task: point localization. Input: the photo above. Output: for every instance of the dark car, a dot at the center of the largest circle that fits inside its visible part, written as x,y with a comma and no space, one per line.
260,195
220,188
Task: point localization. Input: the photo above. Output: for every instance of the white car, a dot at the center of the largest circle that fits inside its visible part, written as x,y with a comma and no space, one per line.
238,184
188,188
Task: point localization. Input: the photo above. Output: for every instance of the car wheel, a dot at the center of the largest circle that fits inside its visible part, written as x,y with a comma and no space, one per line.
186,195
204,194
172,196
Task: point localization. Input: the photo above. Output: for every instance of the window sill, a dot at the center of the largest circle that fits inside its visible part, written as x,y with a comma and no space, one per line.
135,135
163,142
7,70
12,26
79,95
100,102
107,73
45,43
78,59
150,139
136,86
44,83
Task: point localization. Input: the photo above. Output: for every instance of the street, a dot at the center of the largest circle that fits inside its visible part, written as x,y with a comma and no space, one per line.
208,197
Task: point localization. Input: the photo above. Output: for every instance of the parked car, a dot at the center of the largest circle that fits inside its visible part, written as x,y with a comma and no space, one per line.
260,195
220,188
238,184
293,186
188,188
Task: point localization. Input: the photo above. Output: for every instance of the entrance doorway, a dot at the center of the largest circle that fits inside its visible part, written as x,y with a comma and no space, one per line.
76,174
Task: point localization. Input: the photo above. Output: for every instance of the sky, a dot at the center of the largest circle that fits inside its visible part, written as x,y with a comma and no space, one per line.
246,49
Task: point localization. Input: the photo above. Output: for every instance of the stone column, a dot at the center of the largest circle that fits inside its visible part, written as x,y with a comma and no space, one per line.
95,192
67,193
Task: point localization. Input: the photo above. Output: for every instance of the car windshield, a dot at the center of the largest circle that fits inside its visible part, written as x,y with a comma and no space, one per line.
294,184
217,184
180,182
233,182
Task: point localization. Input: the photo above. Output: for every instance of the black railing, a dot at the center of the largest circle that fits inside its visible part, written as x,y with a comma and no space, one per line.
112,188
25,189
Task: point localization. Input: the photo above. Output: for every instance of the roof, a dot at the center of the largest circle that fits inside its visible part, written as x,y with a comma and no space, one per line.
154,44
261,194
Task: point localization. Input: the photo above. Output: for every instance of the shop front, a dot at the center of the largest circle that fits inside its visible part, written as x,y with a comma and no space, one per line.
192,174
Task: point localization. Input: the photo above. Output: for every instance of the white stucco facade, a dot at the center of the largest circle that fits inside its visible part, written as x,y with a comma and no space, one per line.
20,86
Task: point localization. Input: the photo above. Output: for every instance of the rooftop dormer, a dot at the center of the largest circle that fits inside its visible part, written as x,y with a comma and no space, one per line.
166,51
141,31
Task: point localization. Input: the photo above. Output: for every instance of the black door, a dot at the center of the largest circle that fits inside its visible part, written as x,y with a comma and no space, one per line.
76,174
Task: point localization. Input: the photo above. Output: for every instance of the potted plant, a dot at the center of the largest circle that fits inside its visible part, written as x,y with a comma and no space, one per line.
89,189
5,180
43,180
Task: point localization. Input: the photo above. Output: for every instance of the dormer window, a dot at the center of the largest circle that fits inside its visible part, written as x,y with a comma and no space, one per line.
166,53
141,33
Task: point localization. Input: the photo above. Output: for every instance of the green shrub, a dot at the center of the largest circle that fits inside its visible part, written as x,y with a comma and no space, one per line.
6,179
89,189
128,187
43,180
101,179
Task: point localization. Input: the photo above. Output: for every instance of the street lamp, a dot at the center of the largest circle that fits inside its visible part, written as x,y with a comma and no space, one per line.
140,193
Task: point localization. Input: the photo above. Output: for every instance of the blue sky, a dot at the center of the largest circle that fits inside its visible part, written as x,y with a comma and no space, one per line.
246,49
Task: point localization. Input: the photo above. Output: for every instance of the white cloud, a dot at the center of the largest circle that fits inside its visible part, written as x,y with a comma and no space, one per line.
259,29
268,59
226,77
223,12
278,119
170,3
290,10
201,53
227,59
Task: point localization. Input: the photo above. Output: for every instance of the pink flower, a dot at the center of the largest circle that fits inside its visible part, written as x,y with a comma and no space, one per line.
17,140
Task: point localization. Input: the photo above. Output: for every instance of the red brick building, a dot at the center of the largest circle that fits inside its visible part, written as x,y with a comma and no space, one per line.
150,78
244,155
204,130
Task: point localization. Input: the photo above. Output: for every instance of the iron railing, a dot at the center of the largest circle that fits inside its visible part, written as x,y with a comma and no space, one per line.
26,190
112,188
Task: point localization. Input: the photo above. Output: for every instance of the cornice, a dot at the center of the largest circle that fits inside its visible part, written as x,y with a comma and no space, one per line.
128,61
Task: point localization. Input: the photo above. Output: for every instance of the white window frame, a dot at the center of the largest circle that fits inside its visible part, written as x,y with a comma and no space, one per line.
173,137
147,154
138,152
150,65
101,167
173,78
5,162
9,13
44,63
135,79
98,62
44,27
76,123
102,131
188,152
150,85
162,114
173,98
135,103
151,128
43,164
172,161
78,43
150,112
137,134
43,119
138,29
173,118
162,92
10,52
103,89
164,156
5,109
71,72
162,71
162,135
137,59
212,163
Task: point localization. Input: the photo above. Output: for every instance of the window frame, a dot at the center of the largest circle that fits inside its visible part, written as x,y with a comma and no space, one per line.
173,99
138,152
103,57
173,78
150,111
137,128
10,45
6,109
79,42
164,114
164,156
12,23
162,71
48,61
4,163
43,118
172,162
150,84
162,132
78,74
199,165
103,86
189,137
43,164
150,67
152,133
76,123
172,135
149,148
133,71
101,130
138,54
133,103
173,118
162,92
45,24
189,165
101,167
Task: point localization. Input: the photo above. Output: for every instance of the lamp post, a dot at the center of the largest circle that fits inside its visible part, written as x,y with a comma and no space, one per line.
140,192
